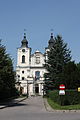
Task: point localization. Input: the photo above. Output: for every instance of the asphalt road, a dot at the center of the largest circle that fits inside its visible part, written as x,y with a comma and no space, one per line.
34,109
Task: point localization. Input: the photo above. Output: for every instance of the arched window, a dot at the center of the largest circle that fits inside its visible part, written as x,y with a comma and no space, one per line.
22,78
23,59
37,75
37,59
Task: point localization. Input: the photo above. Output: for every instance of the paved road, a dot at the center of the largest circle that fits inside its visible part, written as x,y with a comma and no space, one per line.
34,109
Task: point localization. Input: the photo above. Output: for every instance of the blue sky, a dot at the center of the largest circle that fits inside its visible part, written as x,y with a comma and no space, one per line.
38,17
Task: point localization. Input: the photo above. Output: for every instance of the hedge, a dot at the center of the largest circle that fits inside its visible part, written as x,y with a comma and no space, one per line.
71,97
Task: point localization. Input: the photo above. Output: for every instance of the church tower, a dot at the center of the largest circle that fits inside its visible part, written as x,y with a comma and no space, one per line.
23,65
51,41
23,58
50,45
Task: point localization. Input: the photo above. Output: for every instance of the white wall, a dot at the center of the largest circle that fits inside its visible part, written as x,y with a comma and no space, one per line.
29,69
26,54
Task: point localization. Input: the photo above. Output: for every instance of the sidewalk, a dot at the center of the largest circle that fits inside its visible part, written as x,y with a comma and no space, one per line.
12,102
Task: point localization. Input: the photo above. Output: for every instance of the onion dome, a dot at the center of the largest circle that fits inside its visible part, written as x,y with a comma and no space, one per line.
24,41
51,41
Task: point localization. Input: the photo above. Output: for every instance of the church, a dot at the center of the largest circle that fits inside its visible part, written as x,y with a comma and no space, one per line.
30,68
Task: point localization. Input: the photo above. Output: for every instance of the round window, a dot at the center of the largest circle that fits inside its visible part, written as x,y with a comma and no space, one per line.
23,50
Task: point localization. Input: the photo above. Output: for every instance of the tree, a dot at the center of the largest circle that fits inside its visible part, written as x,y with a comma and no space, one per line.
58,56
70,76
78,66
7,74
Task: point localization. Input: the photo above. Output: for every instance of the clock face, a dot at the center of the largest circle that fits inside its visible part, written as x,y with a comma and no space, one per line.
23,50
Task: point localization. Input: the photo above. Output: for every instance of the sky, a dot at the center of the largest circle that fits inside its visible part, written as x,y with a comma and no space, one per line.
38,17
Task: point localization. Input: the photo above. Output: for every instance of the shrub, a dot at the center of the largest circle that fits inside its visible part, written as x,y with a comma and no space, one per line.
71,97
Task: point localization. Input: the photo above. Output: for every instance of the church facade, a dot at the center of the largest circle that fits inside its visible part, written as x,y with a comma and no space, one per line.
30,69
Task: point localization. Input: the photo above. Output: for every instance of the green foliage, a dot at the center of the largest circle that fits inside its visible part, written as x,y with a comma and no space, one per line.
7,74
78,66
71,97
71,76
59,107
58,56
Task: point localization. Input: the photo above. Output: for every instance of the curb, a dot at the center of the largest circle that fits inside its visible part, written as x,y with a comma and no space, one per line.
13,103
47,106
49,109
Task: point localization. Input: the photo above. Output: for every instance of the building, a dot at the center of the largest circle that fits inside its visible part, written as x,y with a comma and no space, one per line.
30,68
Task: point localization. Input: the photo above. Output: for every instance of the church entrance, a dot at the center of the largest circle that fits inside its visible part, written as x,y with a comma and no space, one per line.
36,89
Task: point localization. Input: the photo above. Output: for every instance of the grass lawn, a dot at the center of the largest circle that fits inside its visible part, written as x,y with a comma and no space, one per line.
58,107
